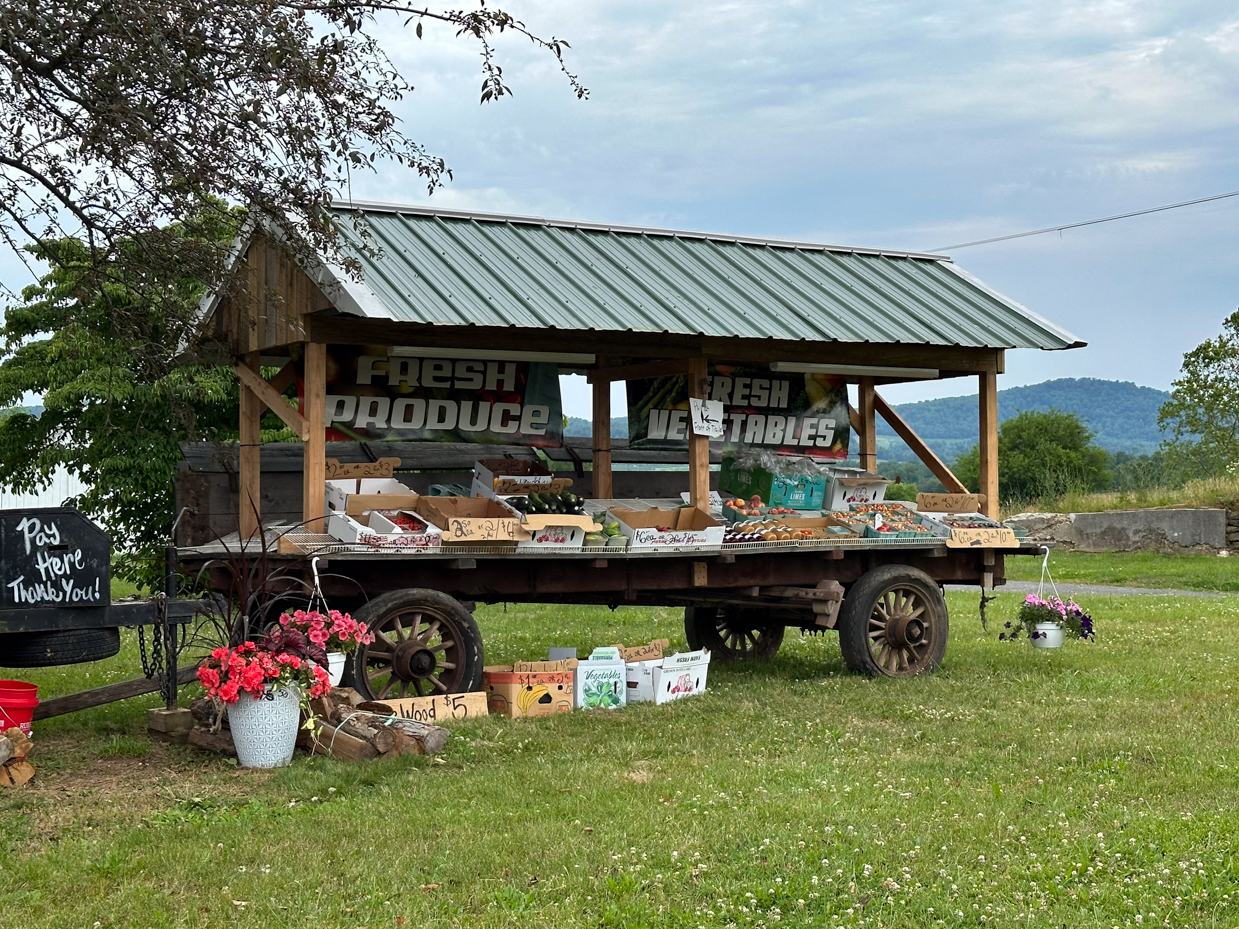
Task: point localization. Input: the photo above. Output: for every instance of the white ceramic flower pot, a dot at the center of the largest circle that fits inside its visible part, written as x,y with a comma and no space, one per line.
1049,635
264,730
335,667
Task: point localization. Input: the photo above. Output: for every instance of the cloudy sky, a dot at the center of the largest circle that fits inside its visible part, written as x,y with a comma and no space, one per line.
897,124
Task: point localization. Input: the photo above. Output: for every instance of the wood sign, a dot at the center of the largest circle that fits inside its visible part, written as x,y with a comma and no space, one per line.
53,557
439,709
384,467
986,537
949,503
647,652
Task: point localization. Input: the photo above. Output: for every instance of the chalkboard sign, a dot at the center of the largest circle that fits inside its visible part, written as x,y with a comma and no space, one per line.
53,557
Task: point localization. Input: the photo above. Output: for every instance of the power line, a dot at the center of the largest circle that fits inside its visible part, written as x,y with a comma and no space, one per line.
1087,222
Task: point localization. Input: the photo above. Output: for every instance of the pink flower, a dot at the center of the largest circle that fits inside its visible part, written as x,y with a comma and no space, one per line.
208,677
229,692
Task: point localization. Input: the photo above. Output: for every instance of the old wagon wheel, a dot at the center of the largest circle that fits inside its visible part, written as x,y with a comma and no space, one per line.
732,633
425,643
893,623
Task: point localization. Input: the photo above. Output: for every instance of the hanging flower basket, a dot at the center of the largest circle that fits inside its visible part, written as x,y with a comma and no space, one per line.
1049,620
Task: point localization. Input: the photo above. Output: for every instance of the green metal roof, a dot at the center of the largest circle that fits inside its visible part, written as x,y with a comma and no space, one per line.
451,268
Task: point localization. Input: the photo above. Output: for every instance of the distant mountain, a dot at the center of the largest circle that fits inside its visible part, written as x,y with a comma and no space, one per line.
584,427
1123,415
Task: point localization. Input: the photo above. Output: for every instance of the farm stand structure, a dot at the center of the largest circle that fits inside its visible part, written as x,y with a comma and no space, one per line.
615,303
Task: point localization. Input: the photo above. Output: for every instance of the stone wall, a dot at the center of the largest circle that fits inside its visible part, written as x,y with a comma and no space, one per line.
1162,530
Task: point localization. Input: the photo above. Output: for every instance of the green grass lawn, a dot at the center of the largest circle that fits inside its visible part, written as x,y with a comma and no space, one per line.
1133,569
1094,786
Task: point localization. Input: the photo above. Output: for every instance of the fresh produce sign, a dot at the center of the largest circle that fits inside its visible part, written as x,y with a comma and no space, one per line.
793,414
392,394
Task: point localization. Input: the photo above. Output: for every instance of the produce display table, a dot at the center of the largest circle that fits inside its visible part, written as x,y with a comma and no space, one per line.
738,598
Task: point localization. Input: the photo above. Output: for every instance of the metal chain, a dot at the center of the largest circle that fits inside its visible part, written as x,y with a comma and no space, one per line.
152,666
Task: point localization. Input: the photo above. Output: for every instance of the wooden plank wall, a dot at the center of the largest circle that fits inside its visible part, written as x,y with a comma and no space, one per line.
268,307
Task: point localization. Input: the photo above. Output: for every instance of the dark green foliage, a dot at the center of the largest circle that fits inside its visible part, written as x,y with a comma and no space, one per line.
117,398
914,473
1041,455
1123,416
1202,413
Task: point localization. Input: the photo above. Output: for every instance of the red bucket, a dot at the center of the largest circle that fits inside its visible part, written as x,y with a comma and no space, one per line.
17,702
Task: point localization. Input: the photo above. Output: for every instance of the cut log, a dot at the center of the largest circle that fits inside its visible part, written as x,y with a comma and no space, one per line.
208,741
18,772
364,726
6,749
423,739
20,742
346,695
328,740
207,712
5,780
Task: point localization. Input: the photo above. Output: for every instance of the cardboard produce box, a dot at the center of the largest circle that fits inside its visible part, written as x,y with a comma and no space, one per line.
353,496
851,486
530,688
376,529
494,477
472,520
661,680
669,530
601,680
798,491
555,530
972,530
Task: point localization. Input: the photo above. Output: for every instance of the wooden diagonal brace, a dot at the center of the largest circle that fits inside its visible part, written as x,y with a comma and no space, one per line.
922,451
274,401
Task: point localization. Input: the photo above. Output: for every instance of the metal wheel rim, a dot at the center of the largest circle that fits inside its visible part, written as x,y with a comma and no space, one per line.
398,662
737,641
900,634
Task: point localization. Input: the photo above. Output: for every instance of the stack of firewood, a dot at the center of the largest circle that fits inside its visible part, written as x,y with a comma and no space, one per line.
15,770
341,729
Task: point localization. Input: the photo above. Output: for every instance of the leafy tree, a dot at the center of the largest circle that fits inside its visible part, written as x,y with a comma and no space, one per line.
118,115
1041,455
1202,413
116,398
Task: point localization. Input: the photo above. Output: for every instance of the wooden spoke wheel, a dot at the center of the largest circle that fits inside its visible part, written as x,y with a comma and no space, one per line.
732,633
893,623
425,643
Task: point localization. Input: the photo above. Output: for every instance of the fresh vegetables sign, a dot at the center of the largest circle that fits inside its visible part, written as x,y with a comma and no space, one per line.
392,394
793,414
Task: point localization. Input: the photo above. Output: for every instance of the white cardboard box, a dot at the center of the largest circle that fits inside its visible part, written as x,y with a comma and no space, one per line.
375,530
849,486
601,680
671,677
356,495
688,528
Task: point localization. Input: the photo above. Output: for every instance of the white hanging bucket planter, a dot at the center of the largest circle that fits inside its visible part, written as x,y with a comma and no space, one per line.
1049,635
264,729
335,667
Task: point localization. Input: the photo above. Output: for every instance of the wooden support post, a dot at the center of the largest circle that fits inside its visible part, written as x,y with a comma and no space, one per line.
698,445
314,467
922,451
602,437
989,442
868,433
249,514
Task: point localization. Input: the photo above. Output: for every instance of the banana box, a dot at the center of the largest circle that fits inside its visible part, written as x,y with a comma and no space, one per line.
530,688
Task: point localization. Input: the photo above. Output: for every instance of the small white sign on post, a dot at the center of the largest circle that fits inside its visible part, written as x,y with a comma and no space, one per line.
707,417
